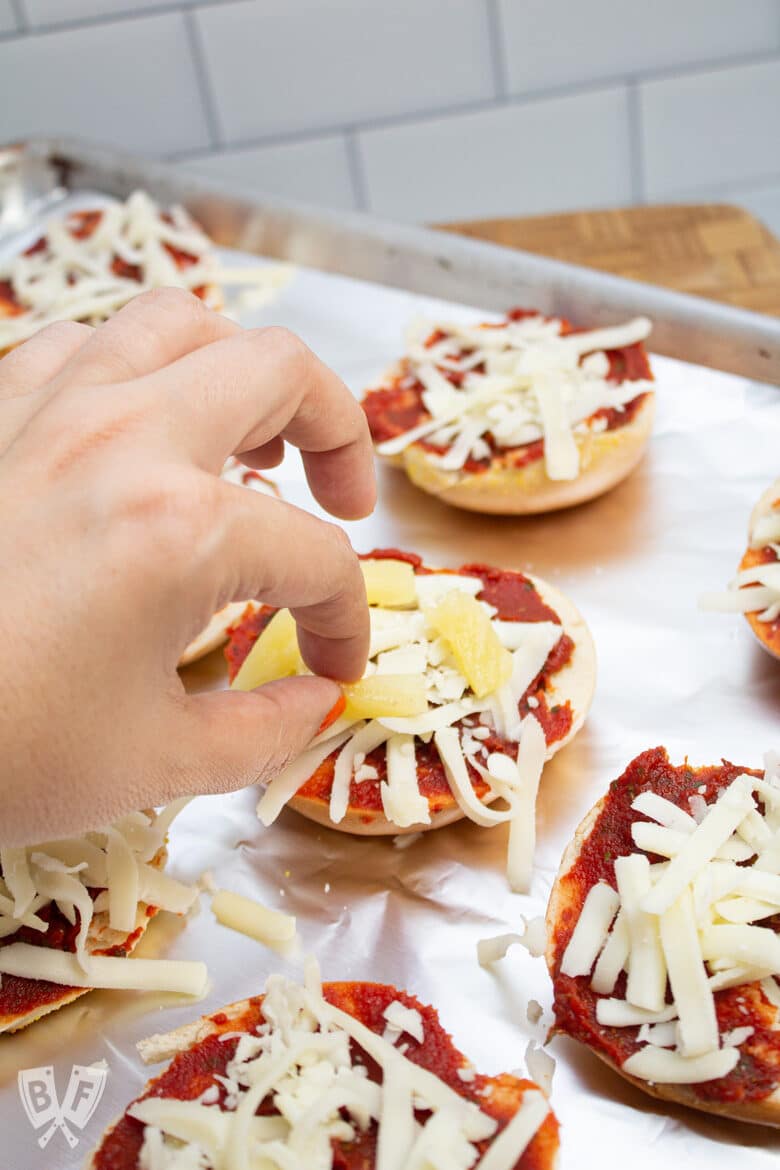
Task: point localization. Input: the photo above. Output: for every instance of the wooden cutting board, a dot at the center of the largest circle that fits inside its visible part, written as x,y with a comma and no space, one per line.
713,250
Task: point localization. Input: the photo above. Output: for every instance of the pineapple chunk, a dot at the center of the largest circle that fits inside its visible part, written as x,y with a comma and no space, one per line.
466,628
389,583
399,696
275,654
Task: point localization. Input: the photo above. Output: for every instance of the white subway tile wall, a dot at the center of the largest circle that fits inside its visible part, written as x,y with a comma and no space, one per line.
418,109
505,161
561,42
315,171
133,84
709,127
280,66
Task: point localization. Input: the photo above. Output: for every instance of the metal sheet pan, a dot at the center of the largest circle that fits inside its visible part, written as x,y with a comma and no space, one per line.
634,561
433,263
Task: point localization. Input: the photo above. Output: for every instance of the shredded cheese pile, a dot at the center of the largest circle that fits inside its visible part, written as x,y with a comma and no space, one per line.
764,580
520,382
110,872
73,279
306,1061
686,928
405,646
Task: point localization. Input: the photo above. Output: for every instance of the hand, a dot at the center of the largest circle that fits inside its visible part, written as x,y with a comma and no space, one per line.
118,541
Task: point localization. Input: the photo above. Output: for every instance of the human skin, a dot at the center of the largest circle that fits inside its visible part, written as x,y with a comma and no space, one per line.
118,541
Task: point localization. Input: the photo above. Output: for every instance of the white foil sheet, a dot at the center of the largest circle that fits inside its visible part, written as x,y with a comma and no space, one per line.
634,562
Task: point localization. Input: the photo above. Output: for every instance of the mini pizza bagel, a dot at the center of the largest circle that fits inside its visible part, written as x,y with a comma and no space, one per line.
344,1094
474,676
72,910
23,1000
755,591
88,263
656,961
522,417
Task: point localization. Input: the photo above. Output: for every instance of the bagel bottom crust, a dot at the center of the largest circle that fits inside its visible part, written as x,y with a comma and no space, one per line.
576,683
764,1112
606,458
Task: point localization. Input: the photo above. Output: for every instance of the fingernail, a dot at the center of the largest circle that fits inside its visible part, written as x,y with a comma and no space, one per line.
333,714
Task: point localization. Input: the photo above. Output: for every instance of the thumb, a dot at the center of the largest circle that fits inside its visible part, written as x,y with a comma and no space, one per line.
241,738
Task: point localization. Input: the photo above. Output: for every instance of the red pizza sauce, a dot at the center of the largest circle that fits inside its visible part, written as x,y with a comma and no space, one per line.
190,1073
398,406
768,632
516,599
757,1074
81,225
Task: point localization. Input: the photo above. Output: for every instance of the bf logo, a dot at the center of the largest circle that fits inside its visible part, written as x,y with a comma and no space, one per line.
82,1097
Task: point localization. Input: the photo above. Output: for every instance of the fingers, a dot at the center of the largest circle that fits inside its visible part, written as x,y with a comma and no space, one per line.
237,394
233,740
26,370
152,330
269,549
269,455
35,362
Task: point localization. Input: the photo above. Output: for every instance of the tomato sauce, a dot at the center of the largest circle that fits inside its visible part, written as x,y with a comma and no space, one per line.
190,1073
398,406
516,599
757,1074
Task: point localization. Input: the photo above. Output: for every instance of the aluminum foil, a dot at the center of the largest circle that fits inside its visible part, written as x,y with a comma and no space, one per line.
634,562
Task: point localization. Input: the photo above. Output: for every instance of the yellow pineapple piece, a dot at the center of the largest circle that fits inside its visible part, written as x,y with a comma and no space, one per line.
274,655
399,696
389,583
465,626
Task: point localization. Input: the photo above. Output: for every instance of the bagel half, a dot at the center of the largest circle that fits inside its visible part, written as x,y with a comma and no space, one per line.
174,250
751,1092
573,685
200,1051
116,867
23,1001
548,697
514,480
606,458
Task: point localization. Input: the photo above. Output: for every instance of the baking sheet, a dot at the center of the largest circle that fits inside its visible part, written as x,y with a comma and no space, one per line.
634,562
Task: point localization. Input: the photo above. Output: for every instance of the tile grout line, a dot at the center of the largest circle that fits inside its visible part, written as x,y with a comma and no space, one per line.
357,173
498,59
635,143
767,181
164,8
202,78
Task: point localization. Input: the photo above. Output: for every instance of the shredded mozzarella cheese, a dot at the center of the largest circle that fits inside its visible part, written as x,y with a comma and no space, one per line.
517,383
76,275
685,929
306,1063
105,872
406,643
